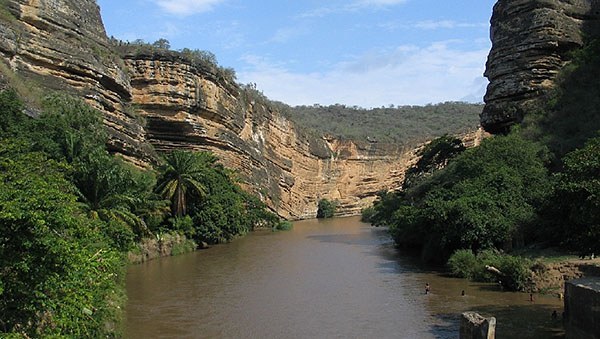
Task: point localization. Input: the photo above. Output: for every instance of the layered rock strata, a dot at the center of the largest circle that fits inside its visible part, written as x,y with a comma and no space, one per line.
62,45
189,108
531,43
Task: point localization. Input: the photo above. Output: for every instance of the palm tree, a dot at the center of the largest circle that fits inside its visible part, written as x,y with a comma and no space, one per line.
112,192
181,177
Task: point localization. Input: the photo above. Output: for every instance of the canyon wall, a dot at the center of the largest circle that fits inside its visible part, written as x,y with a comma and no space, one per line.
187,107
160,99
532,40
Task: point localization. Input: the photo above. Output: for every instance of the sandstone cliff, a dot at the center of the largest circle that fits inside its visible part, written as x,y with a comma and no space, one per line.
531,42
187,107
62,45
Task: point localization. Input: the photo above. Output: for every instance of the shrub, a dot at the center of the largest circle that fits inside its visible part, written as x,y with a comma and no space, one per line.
326,208
515,271
284,225
366,214
463,264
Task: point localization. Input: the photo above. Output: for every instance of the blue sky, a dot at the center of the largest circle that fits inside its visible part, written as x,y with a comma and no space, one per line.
368,53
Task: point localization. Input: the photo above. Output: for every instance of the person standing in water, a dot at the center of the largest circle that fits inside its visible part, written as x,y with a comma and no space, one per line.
427,288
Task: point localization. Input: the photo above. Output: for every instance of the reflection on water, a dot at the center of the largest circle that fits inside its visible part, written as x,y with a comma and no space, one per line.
334,278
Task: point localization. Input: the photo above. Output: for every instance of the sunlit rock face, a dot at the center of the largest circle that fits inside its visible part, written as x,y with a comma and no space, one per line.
531,42
189,108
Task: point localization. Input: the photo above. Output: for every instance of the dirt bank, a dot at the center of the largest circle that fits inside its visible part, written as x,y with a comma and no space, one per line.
550,277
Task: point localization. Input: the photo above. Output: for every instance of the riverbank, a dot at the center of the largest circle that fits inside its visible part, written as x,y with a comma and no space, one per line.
162,245
549,277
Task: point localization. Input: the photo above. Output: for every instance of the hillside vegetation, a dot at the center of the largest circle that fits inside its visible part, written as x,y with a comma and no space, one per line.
539,185
406,125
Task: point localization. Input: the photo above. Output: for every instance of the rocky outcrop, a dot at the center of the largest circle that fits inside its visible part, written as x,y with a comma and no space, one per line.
475,326
531,43
62,45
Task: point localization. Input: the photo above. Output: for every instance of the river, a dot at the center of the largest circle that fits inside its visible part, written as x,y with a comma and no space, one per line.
336,278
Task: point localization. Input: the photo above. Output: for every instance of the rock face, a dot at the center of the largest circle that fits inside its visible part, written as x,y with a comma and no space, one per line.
186,107
62,45
474,326
531,42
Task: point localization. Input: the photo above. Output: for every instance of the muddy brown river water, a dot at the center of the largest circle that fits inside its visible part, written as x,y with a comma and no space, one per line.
336,278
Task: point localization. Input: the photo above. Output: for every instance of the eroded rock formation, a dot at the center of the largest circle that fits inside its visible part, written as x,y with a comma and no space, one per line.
531,43
187,107
62,45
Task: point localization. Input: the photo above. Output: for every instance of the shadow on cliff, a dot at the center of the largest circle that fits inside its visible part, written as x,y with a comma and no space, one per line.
571,113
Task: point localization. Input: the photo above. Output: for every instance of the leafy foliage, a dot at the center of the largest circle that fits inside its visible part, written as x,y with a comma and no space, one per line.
482,199
514,272
203,189
58,276
573,210
434,156
326,208
181,179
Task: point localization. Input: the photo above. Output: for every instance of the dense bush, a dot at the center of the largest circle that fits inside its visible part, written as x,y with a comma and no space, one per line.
514,272
326,208
201,188
59,275
483,199
572,214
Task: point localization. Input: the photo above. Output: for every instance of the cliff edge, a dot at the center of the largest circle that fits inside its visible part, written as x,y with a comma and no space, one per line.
532,40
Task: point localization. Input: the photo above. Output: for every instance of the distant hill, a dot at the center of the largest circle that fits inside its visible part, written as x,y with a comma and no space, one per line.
405,125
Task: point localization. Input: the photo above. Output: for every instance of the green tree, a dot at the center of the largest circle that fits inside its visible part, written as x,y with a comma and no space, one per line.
575,206
326,208
181,179
162,43
68,129
433,156
58,276
12,119
485,198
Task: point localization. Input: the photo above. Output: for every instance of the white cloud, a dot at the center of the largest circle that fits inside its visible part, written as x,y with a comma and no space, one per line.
401,76
286,34
352,7
447,24
431,25
366,3
187,7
